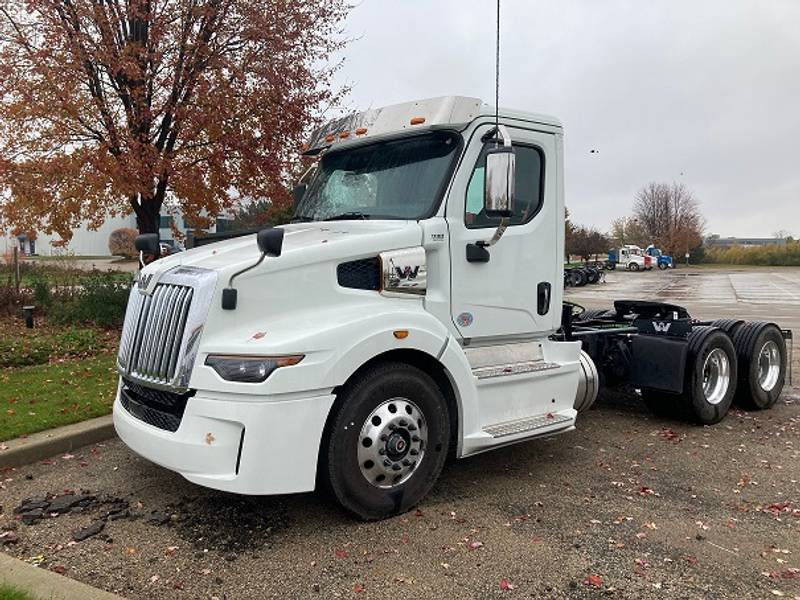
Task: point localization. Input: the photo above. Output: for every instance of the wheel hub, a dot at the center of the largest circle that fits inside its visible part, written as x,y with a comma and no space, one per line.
769,366
392,442
716,376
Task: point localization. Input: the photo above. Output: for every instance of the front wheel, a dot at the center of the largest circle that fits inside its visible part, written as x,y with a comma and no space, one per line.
387,441
662,266
633,266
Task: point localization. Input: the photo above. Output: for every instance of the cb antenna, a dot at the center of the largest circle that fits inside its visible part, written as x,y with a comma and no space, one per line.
497,79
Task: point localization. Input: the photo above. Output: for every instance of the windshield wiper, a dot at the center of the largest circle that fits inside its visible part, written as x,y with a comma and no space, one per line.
301,219
348,215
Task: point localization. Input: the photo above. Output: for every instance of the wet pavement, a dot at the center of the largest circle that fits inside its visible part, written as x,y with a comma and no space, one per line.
627,506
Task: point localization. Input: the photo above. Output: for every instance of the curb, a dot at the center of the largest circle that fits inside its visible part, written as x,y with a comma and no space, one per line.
47,585
38,446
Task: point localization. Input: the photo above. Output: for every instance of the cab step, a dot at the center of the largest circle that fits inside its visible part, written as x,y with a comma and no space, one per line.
527,424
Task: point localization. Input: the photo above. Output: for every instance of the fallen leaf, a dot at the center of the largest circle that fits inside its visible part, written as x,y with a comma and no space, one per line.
358,588
593,580
475,545
341,553
506,585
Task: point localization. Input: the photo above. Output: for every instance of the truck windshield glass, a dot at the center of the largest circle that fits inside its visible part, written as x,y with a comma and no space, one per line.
397,179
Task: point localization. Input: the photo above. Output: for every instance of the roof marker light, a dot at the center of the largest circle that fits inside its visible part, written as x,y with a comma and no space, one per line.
329,138
361,131
417,120
344,134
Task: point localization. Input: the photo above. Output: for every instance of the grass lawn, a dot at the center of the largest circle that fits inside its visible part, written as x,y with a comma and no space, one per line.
8,592
45,396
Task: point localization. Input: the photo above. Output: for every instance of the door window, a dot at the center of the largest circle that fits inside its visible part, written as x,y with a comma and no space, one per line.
528,192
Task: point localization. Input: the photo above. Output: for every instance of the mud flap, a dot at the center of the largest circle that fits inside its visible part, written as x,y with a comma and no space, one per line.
658,363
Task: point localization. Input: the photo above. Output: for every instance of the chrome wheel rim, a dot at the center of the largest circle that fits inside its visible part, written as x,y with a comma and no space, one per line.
716,376
392,443
769,365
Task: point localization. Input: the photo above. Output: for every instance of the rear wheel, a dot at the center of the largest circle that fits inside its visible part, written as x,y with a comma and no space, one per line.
579,277
633,266
729,326
710,379
387,441
761,353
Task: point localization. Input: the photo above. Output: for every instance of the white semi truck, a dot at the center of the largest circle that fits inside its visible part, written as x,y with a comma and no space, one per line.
412,310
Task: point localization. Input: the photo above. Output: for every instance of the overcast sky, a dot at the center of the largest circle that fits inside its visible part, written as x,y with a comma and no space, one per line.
706,92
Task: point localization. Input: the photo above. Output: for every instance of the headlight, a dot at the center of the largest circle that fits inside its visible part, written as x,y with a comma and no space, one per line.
249,369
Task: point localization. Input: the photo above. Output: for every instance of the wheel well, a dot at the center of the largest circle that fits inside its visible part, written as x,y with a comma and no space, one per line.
423,361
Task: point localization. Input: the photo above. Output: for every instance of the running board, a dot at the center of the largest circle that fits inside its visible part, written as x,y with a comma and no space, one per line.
525,425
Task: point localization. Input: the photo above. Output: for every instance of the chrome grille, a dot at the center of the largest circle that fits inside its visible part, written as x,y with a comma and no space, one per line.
162,328
159,331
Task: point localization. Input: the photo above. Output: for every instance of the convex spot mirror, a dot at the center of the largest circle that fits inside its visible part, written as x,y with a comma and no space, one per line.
498,191
270,241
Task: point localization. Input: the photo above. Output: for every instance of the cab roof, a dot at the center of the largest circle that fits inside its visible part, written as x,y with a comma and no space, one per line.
445,112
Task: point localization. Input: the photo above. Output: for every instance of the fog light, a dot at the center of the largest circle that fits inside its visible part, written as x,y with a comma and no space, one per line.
249,369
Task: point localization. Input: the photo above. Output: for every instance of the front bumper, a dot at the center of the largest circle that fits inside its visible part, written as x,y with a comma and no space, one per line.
248,446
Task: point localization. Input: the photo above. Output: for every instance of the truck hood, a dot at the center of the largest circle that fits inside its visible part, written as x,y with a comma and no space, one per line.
303,243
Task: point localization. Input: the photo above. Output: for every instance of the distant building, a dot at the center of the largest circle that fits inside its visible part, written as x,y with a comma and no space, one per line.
86,242
727,242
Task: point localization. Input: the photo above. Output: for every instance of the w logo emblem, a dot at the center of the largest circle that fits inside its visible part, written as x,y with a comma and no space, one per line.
407,272
661,326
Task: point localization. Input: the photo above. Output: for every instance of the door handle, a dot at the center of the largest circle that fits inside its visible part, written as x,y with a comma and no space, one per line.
543,297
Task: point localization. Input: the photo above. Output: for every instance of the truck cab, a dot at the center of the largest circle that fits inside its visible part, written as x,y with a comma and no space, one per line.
412,310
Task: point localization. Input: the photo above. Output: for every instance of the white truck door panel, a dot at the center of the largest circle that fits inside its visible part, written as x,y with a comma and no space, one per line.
498,298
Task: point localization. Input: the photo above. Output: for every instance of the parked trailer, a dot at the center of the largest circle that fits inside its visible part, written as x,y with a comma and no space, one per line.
413,310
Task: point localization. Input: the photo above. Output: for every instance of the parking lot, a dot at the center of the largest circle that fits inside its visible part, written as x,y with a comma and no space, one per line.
627,506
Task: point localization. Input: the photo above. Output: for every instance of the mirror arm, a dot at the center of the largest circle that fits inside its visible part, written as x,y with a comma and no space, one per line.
498,233
229,294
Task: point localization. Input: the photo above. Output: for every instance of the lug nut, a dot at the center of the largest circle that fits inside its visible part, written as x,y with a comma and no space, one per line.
403,422
413,452
414,438
381,451
392,426
384,437
396,467
406,462
412,427
387,462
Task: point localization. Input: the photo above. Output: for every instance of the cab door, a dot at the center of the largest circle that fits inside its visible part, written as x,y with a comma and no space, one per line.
514,288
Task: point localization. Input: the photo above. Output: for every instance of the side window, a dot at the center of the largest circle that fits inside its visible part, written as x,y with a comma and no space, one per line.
528,192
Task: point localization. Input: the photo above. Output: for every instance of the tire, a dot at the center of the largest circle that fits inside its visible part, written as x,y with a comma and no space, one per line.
662,266
592,276
761,354
579,278
364,412
611,266
729,326
633,266
710,350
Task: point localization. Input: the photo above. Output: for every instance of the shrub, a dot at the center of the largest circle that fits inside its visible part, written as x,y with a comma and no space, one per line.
101,299
771,255
121,242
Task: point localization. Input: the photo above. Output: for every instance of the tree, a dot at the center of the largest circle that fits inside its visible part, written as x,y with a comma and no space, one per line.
115,106
670,217
627,230
586,242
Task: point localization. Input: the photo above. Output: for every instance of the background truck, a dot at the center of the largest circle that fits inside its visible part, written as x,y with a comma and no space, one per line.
629,257
413,310
662,260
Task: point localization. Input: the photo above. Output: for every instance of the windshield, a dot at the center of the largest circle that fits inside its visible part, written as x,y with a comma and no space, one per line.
396,179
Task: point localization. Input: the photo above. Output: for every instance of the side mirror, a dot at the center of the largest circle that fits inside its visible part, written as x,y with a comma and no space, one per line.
298,193
270,241
149,248
498,191
147,243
